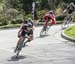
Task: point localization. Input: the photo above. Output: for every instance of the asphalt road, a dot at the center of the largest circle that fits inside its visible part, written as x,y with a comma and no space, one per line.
50,49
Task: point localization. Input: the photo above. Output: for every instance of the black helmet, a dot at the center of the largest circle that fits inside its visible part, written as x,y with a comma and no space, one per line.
71,3
25,26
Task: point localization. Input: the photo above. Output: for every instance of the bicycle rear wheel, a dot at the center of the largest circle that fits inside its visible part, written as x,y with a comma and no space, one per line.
67,21
43,31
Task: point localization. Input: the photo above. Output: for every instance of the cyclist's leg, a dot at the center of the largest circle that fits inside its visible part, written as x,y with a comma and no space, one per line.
30,37
48,25
69,19
43,28
72,16
66,20
45,25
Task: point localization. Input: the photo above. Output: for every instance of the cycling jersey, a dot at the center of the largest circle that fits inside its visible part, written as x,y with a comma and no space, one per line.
25,30
48,17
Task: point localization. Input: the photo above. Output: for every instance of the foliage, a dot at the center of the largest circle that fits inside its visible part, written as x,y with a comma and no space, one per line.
10,26
60,18
41,13
12,11
3,20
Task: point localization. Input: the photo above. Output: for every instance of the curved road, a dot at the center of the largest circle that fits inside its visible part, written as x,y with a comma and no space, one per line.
51,49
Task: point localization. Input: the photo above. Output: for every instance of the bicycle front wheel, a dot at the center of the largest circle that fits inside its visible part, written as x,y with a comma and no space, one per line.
19,48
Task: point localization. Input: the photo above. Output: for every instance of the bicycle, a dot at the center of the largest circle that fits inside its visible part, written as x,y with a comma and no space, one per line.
19,47
45,28
68,20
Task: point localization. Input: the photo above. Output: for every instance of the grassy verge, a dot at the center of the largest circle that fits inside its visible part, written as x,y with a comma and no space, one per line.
70,31
10,26
18,25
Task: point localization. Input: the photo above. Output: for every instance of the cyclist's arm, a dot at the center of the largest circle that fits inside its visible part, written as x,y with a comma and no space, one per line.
20,28
44,18
65,11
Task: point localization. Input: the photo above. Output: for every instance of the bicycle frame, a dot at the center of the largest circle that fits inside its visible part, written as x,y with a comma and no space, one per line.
67,21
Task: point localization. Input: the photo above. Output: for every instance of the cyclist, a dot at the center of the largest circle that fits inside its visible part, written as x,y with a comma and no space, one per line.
30,29
70,10
49,17
25,32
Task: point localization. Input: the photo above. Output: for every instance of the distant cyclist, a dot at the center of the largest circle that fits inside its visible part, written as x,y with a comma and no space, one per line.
49,17
70,10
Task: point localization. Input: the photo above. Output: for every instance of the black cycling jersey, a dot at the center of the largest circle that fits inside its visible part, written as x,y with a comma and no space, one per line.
24,27
25,31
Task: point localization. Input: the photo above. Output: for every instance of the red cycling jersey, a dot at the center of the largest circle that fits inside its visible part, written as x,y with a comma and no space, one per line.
50,16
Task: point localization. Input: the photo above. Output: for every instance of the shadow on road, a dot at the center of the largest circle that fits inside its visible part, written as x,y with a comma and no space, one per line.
43,36
14,58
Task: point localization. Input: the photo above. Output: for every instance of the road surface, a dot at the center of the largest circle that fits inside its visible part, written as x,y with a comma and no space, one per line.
51,49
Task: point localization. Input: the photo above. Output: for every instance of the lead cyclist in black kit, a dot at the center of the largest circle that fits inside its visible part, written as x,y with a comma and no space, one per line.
69,16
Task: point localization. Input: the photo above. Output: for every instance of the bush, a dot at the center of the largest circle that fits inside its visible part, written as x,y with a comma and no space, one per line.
40,13
19,21
10,26
3,23
3,20
60,18
16,21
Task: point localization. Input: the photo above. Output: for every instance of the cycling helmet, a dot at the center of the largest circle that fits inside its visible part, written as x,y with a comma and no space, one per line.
50,12
24,26
71,4
29,25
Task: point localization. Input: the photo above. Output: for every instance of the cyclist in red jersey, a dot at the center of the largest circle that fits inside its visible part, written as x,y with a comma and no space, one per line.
49,17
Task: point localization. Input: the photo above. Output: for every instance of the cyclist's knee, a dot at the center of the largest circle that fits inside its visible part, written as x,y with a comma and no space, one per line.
22,38
30,38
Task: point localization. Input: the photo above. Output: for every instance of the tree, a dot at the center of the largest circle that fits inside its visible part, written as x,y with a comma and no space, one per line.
27,6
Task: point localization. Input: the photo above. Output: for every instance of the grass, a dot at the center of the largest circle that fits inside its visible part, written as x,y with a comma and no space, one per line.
10,26
70,31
